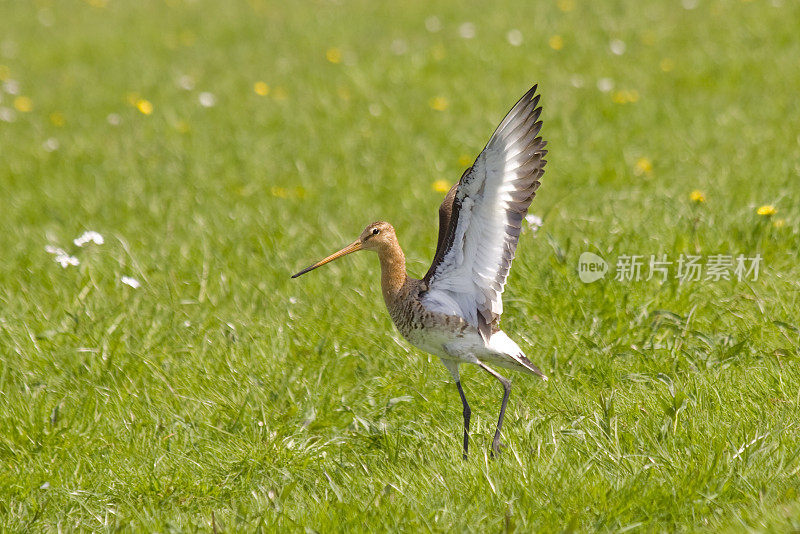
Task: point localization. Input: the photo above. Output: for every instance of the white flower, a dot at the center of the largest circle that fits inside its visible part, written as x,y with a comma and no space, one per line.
114,119
467,30
617,47
399,47
514,37
7,114
433,24
207,100
534,221
186,82
50,145
88,236
11,87
605,84
61,256
129,281
66,260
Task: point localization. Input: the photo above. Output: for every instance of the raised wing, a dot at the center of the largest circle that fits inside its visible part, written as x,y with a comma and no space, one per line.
474,255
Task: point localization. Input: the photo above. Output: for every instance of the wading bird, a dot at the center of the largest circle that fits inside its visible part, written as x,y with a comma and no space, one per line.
454,311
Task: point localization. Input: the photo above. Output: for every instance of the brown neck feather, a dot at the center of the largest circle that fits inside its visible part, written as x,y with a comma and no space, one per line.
393,271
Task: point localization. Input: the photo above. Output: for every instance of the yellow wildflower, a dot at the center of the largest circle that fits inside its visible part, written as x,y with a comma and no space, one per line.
23,104
144,106
556,42
667,64
280,192
57,118
334,55
438,52
5,73
464,160
643,166
767,210
439,103
697,196
442,186
566,5
285,192
779,223
261,88
625,96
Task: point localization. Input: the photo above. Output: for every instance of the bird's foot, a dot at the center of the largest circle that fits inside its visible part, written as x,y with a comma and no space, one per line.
497,448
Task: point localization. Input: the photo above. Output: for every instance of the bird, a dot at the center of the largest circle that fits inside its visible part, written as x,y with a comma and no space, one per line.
453,312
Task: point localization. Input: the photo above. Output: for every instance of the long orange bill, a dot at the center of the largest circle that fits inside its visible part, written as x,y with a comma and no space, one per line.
352,247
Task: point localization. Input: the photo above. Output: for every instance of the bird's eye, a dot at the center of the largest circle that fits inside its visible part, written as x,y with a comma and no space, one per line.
375,231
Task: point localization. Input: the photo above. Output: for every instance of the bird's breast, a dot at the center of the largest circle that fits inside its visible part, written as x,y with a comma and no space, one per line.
428,330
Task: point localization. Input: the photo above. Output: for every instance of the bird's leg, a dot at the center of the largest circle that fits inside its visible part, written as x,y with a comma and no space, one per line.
467,413
506,393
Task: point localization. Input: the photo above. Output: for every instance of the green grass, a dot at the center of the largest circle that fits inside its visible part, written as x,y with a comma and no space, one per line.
222,394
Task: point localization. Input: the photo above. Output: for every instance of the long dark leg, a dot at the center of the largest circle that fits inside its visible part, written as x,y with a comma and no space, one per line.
506,393
467,413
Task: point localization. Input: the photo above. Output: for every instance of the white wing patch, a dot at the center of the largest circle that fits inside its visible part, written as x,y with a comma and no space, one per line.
491,201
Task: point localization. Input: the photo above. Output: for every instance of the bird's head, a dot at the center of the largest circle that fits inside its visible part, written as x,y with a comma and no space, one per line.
375,237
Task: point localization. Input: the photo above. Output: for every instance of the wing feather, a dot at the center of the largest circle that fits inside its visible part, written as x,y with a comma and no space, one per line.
484,213
445,211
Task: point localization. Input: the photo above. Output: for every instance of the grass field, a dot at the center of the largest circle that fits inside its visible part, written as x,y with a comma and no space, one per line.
220,147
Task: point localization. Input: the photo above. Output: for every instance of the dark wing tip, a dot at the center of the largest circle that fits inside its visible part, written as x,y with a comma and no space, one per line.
527,106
